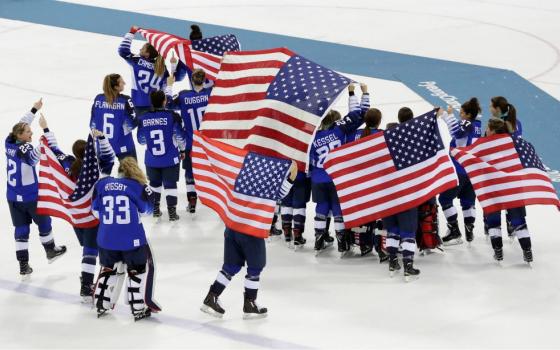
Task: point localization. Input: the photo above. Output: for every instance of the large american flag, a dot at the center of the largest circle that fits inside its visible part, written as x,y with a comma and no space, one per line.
506,172
61,197
391,171
241,186
270,102
204,53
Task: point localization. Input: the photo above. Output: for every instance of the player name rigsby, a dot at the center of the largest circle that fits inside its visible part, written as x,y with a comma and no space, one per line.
115,186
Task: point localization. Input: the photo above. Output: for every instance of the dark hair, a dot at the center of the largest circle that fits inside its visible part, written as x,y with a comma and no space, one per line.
405,114
499,126
329,119
372,118
157,98
79,150
196,34
198,76
508,110
110,83
391,125
472,108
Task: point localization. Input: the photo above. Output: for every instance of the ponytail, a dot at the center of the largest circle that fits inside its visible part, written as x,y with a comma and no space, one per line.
129,169
509,113
79,150
110,83
159,62
499,126
372,118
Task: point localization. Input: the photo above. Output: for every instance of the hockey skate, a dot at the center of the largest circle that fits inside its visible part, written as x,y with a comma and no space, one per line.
469,233
453,235
172,212
251,310
86,292
528,256
343,243
299,241
25,271
287,235
393,265
510,231
191,207
211,306
275,232
157,211
410,273
139,315
55,253
499,255
322,242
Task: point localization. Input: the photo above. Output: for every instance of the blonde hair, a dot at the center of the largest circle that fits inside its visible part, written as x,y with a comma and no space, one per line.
129,168
110,82
159,66
18,129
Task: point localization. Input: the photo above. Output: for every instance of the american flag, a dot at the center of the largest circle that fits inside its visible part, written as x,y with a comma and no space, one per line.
391,171
204,53
270,102
61,197
241,186
506,172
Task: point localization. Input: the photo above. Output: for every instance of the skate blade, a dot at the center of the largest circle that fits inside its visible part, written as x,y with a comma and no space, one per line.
529,264
208,310
25,278
469,244
392,273
50,261
410,278
87,300
251,316
298,247
101,313
142,316
453,242
289,245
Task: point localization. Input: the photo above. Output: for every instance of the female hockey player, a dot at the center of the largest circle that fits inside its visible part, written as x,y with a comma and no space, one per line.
161,131
501,108
332,133
463,133
192,104
23,190
401,227
240,248
515,216
118,203
87,236
148,71
113,114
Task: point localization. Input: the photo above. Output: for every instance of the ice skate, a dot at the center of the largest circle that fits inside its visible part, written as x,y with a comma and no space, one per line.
251,310
288,236
453,235
393,265
191,207
499,255
25,271
55,253
172,212
410,273
299,241
157,211
101,312
343,243
275,232
86,292
510,231
211,306
469,233
139,315
528,256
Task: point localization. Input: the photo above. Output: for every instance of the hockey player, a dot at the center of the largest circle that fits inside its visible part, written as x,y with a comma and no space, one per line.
401,228
293,210
87,236
113,114
148,71
332,134
463,133
161,131
118,203
192,104
22,191
516,216
239,249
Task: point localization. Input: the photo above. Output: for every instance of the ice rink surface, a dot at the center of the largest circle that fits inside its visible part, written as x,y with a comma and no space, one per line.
463,299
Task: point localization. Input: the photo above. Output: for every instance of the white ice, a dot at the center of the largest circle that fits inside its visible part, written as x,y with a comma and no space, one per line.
462,299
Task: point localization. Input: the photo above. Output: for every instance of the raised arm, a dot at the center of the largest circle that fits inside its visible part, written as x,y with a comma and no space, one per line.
124,47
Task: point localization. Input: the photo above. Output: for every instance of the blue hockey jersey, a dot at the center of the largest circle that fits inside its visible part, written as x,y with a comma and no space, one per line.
463,133
21,158
162,132
192,105
116,121
144,79
118,203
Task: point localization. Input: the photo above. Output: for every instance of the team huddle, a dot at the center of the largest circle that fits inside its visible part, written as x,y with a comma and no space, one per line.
166,125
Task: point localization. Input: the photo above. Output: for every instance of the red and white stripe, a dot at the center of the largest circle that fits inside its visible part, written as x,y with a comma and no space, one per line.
370,187
165,42
215,168
55,187
239,114
499,179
